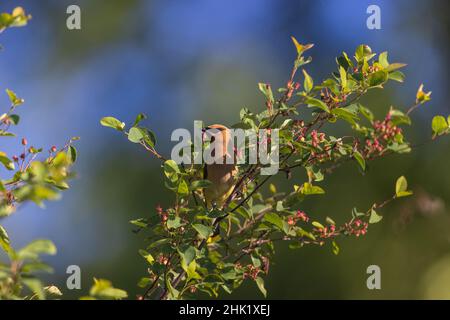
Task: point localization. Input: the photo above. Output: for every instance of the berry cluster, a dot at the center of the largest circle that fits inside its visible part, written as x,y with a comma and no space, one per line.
327,149
356,227
291,87
250,271
162,259
370,69
383,134
30,151
299,130
330,99
163,215
326,232
300,215
317,138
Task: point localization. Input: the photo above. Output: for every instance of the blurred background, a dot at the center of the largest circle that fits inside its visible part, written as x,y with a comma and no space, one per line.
180,61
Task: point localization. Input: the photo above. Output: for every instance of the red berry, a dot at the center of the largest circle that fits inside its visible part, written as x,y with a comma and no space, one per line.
290,221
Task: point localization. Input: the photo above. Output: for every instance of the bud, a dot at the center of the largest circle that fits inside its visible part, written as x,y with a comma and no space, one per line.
24,142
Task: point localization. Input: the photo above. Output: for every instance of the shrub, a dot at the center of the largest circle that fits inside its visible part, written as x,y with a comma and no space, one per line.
195,247
35,175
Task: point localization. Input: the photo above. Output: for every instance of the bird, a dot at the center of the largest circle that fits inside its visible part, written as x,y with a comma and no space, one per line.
222,175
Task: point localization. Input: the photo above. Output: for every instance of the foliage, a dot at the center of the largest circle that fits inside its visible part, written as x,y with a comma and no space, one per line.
35,177
193,248
103,289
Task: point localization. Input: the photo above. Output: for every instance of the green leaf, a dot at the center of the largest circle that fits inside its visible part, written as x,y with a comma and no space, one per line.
144,282
345,114
335,247
363,53
174,223
343,76
366,112
147,256
203,231
171,170
360,159
200,184
15,101
260,283
103,289
272,188
301,47
395,66
303,233
187,256
173,293
139,118
421,96
7,163
313,102
14,118
398,117
378,78
35,286
286,123
399,148
374,217
401,187
401,184
397,76
183,189
149,137
279,207
36,248
308,82
190,270
266,90
141,222
135,135
72,153
330,221
4,240
344,61
309,189
439,125
112,123
158,243
383,60
317,225
36,267
356,213
274,219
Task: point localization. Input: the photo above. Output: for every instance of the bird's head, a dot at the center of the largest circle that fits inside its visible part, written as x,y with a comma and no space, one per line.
221,135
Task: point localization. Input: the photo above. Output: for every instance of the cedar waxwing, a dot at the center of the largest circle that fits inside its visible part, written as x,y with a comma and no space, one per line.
222,175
